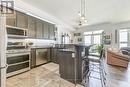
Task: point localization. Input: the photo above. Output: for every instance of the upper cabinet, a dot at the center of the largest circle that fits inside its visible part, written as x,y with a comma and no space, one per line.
36,28
39,29
45,30
11,19
51,31
31,27
22,20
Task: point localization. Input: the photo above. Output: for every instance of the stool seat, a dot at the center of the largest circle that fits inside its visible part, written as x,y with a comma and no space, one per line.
94,59
94,54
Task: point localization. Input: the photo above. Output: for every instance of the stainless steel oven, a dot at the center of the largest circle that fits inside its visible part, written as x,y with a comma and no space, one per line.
18,62
18,58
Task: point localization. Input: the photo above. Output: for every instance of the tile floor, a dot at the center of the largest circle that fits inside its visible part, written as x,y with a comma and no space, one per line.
48,76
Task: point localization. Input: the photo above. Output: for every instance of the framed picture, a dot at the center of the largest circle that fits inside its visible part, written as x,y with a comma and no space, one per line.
79,39
77,34
107,39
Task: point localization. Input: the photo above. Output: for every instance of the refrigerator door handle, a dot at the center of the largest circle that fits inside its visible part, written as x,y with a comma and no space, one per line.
6,66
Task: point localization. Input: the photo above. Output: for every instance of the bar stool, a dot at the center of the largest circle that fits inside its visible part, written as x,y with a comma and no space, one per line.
96,62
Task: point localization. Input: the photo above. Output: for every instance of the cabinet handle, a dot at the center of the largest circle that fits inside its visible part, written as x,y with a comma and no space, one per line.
6,66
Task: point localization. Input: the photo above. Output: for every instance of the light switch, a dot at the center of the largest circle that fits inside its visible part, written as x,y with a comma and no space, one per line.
73,55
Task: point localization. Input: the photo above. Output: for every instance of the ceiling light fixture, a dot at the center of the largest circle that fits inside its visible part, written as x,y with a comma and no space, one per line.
82,13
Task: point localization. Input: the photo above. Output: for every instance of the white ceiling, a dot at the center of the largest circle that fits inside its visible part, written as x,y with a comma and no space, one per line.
97,10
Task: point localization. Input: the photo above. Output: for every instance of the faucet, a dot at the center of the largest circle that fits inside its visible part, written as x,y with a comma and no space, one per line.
52,44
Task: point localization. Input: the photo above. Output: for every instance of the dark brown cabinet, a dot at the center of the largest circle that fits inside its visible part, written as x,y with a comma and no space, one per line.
72,65
33,58
54,55
11,20
67,66
31,27
51,32
45,30
36,28
21,20
39,29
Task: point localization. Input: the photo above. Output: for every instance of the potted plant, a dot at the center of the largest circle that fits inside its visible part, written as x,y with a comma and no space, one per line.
29,43
100,47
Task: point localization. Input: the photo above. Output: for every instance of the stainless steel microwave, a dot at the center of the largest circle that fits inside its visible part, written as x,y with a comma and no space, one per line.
16,32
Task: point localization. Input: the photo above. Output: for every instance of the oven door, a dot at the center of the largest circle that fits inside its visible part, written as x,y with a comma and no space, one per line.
18,63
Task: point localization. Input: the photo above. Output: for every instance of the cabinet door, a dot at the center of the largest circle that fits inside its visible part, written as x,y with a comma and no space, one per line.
11,19
45,30
31,27
33,58
52,32
22,20
65,60
54,57
39,31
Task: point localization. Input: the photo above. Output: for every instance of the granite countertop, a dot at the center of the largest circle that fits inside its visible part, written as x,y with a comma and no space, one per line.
67,50
40,47
59,47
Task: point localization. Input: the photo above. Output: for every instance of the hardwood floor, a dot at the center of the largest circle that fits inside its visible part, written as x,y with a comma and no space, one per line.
48,76
118,77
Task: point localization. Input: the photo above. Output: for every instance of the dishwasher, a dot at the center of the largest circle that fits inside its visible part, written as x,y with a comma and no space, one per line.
42,56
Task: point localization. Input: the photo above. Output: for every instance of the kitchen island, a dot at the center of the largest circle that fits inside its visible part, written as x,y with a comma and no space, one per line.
72,65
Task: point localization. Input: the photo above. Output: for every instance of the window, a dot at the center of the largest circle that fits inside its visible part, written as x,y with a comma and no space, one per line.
123,38
88,40
97,39
93,37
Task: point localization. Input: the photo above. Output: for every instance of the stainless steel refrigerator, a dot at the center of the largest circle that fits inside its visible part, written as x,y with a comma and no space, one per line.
3,44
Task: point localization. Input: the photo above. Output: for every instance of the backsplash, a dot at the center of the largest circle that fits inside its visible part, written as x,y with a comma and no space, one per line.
39,42
36,42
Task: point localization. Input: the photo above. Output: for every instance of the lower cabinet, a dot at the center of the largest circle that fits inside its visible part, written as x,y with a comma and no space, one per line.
72,66
67,68
54,55
33,58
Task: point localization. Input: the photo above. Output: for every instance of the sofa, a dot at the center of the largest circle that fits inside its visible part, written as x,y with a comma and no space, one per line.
120,58
125,50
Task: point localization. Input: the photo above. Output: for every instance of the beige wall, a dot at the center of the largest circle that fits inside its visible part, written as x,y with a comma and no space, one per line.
109,28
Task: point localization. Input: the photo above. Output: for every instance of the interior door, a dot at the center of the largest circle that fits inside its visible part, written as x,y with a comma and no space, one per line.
3,38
